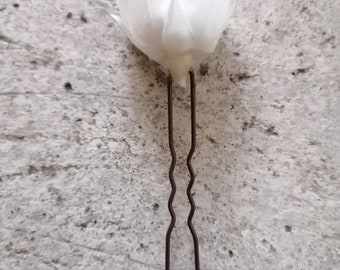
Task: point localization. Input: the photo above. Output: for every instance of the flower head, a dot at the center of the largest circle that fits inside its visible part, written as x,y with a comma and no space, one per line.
178,34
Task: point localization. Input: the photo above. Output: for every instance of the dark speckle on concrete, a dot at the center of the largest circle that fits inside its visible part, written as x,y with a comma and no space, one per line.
300,71
288,228
83,18
204,69
32,170
237,77
212,140
271,131
68,86
231,253
6,38
155,206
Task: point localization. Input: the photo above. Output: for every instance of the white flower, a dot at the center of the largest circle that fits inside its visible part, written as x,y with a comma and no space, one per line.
178,34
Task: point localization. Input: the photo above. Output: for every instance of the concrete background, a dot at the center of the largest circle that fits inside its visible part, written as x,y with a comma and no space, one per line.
84,150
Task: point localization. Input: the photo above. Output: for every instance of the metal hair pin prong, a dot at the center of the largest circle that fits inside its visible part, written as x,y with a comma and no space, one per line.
190,168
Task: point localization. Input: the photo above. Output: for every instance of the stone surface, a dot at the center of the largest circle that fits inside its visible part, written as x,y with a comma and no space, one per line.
84,150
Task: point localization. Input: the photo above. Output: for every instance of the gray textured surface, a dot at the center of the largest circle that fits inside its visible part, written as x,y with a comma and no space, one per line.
84,170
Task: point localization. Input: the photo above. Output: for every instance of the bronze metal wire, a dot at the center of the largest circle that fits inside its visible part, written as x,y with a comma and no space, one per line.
190,168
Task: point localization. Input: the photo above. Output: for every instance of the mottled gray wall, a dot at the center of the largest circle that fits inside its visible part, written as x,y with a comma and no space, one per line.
84,149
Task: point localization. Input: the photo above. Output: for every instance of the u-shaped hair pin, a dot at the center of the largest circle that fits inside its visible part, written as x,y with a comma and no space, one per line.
190,168
178,35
